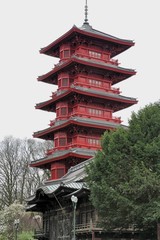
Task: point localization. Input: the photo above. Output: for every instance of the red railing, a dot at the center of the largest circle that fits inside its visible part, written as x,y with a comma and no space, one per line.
102,59
102,88
74,145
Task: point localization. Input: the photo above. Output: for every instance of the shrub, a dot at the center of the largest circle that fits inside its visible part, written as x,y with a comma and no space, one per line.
25,236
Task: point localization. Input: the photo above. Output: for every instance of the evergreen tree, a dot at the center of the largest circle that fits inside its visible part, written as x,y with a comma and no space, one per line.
124,177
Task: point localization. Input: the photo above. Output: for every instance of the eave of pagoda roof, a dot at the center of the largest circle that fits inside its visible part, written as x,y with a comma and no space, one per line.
88,31
121,101
73,182
87,62
79,121
80,153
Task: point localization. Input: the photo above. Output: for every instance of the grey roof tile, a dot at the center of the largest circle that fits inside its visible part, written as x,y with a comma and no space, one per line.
79,151
88,28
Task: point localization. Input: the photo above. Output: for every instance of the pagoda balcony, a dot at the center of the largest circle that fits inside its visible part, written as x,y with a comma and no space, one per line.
74,145
80,114
100,87
111,61
86,112
96,55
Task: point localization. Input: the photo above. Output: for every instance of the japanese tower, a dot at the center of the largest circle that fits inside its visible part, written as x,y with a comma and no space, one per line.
86,98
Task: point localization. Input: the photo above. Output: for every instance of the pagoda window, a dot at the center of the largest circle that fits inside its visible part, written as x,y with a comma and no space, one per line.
96,112
65,82
93,141
57,170
62,142
95,54
63,111
94,82
66,53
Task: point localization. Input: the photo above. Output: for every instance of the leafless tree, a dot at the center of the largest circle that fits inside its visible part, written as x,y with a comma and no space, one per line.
17,179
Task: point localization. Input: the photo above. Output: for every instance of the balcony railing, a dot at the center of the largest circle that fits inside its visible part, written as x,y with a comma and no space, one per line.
85,115
101,88
87,227
74,145
92,116
102,59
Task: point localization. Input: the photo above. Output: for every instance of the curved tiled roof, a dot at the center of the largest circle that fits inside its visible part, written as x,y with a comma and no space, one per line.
74,180
63,154
88,31
90,62
89,92
80,121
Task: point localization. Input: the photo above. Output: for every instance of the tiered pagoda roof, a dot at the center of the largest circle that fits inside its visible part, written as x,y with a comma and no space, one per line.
86,59
68,65
80,121
120,101
119,45
84,104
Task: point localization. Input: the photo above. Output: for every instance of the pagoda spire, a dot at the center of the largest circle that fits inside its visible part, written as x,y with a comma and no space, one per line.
86,14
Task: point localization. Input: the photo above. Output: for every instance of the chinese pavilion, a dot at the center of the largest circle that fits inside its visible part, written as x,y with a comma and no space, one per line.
85,100
84,103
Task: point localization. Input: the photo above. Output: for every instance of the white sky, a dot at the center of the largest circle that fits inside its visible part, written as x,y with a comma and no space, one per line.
28,25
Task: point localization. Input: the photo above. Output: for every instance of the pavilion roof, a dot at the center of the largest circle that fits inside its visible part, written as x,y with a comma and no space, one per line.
88,31
120,100
125,72
73,180
80,121
80,153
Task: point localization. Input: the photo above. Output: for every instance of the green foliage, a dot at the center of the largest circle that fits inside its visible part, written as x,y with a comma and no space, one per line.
25,236
21,236
3,237
7,219
27,222
124,177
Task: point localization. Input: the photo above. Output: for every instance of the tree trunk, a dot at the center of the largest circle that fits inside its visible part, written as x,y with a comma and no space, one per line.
158,231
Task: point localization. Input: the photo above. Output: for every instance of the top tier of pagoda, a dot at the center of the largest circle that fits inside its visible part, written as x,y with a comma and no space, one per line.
85,100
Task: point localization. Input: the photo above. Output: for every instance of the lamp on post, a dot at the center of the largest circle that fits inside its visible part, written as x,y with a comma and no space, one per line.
16,225
74,200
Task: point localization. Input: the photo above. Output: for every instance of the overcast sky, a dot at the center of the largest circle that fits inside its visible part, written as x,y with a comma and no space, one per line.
28,25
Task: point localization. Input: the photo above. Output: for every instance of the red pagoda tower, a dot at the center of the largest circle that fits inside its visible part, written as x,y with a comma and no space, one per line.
85,100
